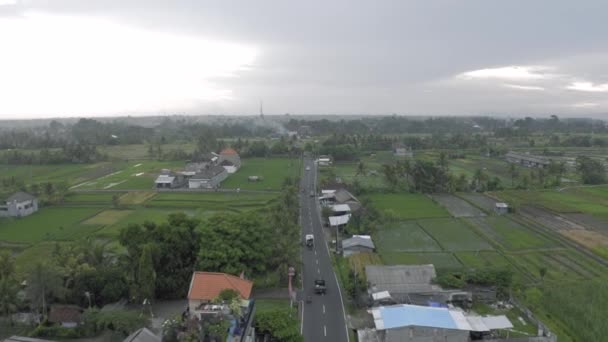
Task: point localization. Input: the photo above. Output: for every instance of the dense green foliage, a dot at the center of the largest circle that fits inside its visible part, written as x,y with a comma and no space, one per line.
174,246
280,324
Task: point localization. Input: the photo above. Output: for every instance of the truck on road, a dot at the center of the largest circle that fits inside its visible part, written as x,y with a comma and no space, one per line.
310,240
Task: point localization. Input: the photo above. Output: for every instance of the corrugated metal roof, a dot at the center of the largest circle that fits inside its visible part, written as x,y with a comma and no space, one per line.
401,279
358,240
338,220
162,179
340,207
404,315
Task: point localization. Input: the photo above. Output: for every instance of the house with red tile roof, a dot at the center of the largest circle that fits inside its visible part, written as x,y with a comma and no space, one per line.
206,286
230,160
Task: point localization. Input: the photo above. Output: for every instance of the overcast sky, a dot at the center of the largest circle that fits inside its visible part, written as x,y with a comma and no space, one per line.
118,57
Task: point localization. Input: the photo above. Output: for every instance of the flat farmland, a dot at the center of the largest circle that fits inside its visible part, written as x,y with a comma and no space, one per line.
89,199
139,215
56,223
492,166
212,201
454,235
482,201
441,260
559,265
140,151
133,175
407,206
69,173
272,170
456,206
510,234
482,259
405,236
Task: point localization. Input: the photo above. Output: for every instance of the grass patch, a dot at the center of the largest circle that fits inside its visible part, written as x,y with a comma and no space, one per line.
454,235
107,217
359,261
99,198
405,236
56,223
212,201
266,305
510,234
139,215
136,197
407,206
272,170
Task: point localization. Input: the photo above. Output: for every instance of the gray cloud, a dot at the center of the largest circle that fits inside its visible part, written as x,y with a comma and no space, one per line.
384,57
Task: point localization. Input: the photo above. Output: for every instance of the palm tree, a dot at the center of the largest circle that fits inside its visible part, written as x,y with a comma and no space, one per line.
8,297
43,282
360,169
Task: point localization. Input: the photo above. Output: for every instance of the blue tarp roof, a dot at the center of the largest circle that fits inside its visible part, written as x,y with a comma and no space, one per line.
424,316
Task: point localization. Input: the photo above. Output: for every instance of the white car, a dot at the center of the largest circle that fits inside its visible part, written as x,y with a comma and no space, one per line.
308,168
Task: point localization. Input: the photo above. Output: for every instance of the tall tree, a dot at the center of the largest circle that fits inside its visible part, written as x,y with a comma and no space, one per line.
146,276
9,288
43,283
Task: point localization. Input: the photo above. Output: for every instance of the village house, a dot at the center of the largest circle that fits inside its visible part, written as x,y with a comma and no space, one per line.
400,150
68,316
209,178
527,160
411,284
230,160
19,204
169,180
205,287
357,244
340,196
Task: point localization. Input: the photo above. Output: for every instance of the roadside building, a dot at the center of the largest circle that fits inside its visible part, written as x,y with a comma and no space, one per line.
338,222
209,178
340,209
357,244
414,323
19,204
230,160
205,287
527,160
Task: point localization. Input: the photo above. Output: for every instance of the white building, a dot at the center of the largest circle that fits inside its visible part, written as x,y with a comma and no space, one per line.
19,205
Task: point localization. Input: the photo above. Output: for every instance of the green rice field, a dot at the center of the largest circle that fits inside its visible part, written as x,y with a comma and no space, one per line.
407,206
273,172
454,235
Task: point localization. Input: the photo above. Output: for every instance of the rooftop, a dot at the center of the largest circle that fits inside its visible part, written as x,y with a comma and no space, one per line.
142,335
20,197
208,285
228,151
397,316
401,279
358,240
162,179
340,207
209,172
338,220
65,313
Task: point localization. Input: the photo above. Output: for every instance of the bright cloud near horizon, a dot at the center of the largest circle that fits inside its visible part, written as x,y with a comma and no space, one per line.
435,57
62,65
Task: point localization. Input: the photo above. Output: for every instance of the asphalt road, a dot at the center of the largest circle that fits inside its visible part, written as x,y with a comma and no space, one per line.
323,318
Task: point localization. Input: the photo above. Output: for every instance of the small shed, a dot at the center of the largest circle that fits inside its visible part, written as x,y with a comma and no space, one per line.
357,244
68,316
501,208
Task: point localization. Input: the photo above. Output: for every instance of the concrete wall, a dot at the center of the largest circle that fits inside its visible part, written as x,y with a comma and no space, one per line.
19,209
